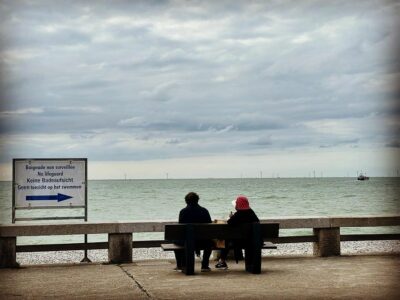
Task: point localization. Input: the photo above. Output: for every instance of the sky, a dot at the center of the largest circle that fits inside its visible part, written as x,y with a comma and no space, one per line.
202,89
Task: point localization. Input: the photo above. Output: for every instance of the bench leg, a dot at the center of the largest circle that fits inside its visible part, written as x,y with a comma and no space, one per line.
120,248
248,260
253,251
257,243
8,252
188,263
188,260
253,260
256,261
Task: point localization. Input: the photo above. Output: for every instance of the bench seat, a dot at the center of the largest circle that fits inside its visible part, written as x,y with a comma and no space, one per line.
172,247
190,233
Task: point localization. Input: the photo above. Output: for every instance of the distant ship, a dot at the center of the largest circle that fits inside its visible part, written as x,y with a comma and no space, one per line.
362,177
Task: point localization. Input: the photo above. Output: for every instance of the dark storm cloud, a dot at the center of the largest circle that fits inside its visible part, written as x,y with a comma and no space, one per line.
393,144
151,79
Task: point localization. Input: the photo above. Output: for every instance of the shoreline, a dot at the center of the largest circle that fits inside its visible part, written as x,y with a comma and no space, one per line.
299,249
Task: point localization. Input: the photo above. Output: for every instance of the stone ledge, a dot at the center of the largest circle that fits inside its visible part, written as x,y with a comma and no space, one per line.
9,230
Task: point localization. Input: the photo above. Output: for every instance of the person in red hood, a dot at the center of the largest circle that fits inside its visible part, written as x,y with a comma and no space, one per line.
243,214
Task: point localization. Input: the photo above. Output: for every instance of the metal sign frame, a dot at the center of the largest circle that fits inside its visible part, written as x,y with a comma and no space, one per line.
85,207
14,207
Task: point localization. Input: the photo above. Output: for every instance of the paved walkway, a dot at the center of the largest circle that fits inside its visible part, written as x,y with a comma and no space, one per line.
345,277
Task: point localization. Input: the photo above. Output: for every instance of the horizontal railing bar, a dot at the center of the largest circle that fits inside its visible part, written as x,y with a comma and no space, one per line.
62,247
334,221
49,218
148,244
82,246
295,239
50,207
157,243
158,226
369,237
81,228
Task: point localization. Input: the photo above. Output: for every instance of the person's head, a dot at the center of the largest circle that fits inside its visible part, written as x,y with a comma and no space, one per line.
191,198
241,203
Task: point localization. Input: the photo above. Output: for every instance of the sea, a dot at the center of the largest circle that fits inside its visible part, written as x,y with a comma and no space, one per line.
162,199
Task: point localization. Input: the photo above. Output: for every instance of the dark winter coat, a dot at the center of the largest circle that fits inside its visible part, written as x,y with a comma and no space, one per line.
194,213
241,217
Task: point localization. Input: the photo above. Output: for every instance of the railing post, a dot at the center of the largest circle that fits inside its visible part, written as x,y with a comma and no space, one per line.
119,248
328,243
8,252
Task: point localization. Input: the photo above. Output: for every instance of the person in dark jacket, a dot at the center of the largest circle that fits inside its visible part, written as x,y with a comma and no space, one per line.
194,213
243,214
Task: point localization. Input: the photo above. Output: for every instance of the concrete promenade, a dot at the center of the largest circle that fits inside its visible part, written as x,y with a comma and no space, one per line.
342,277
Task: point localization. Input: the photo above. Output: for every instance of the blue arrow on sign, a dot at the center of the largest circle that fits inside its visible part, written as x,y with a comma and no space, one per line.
58,197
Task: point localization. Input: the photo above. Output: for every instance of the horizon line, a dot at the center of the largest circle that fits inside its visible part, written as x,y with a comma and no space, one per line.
228,178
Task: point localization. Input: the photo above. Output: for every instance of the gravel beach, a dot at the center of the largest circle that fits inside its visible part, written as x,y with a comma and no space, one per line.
347,248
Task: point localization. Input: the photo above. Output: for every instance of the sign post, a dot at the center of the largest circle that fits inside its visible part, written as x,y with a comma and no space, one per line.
50,184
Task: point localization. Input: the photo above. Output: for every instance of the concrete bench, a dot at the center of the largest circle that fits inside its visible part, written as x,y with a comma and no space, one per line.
256,234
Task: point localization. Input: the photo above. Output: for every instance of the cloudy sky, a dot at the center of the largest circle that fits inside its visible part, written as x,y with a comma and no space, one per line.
202,88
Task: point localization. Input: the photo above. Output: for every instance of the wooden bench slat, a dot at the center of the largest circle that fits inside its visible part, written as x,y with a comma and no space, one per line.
170,247
269,245
220,231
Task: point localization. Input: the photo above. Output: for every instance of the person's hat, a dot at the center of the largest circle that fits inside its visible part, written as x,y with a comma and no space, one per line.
241,203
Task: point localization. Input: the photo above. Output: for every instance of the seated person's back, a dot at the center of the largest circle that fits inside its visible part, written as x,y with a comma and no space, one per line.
194,213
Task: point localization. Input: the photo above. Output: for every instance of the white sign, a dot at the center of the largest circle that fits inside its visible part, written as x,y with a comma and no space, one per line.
49,182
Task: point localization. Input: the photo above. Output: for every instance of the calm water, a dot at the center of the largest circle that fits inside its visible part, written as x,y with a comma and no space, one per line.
134,200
